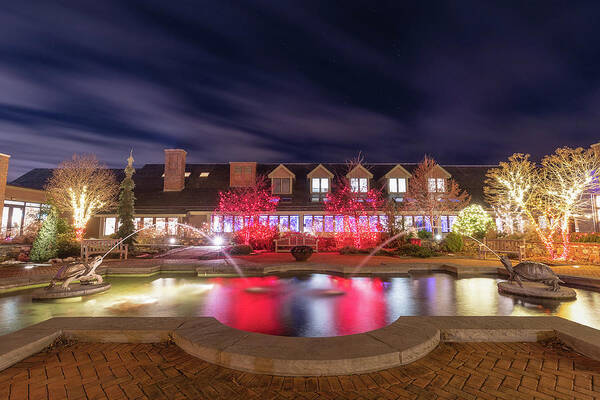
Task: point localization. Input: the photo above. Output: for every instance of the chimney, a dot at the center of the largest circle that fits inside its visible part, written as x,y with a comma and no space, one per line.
4,158
174,178
242,174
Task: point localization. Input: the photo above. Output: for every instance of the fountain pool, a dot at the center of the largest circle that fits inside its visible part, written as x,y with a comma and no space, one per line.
300,305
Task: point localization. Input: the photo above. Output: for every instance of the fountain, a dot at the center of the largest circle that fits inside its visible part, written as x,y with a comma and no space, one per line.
89,281
531,279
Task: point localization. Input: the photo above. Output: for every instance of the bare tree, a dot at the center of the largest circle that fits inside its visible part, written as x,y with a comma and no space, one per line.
437,200
82,187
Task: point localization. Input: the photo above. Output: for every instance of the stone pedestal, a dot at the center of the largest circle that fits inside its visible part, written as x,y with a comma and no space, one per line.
75,290
536,289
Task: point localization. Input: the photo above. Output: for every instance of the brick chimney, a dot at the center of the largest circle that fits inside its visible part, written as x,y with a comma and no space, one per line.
4,158
242,174
174,180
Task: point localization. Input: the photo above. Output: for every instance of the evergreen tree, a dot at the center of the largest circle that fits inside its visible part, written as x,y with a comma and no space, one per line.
45,244
126,203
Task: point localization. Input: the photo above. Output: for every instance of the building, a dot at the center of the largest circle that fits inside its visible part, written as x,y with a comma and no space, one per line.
188,193
20,205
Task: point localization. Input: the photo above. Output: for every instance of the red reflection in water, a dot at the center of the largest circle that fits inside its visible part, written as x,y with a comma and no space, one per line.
232,303
260,304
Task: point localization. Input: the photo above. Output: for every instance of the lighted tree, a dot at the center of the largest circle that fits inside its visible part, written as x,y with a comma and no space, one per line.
126,203
248,202
81,187
473,221
355,209
437,200
548,196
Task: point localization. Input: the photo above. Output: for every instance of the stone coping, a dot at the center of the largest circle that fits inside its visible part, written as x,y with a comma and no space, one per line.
404,341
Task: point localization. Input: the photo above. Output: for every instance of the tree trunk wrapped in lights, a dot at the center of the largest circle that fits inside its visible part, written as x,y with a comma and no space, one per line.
248,202
433,202
81,187
548,196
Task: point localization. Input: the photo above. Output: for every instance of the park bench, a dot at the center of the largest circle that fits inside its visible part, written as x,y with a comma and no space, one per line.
287,242
100,246
503,246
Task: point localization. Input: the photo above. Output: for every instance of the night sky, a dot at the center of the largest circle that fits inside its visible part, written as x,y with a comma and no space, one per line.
464,81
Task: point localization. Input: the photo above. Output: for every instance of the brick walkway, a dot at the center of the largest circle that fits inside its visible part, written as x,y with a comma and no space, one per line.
162,371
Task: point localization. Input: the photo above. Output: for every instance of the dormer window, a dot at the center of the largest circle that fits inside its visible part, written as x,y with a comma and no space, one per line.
281,185
437,185
319,185
397,185
359,185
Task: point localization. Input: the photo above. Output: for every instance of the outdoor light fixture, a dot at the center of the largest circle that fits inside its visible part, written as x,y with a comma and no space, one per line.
576,266
172,240
218,241
438,237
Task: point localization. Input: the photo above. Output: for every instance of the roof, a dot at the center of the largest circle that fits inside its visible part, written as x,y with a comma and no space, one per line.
201,193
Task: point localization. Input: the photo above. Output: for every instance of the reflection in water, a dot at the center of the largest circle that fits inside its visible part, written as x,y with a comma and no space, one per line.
305,305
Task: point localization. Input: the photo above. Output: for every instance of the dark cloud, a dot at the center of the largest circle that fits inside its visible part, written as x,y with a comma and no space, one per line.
467,82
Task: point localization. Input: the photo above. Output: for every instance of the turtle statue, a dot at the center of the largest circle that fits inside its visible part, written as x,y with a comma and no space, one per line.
85,272
531,271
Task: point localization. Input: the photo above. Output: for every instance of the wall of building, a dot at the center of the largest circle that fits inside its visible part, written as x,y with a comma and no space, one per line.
4,158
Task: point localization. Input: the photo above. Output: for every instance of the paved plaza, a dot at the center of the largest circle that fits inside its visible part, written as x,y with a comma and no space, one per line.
163,371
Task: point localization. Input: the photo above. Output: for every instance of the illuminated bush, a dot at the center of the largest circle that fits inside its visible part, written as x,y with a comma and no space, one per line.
473,221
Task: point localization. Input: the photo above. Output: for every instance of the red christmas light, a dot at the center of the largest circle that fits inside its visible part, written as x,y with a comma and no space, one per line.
355,208
248,202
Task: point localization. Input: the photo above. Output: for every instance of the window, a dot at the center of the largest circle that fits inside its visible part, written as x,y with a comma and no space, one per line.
597,201
308,223
109,226
437,185
319,185
204,174
397,185
161,224
281,185
359,185
317,223
328,223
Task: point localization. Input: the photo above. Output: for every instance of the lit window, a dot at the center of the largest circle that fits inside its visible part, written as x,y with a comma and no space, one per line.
597,201
397,185
109,226
431,184
436,185
359,185
281,185
161,224
204,174
441,185
308,223
320,185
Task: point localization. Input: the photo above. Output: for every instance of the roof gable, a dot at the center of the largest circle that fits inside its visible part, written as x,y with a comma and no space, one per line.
359,172
281,172
320,172
397,172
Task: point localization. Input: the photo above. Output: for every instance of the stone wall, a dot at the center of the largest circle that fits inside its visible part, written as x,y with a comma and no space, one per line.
585,253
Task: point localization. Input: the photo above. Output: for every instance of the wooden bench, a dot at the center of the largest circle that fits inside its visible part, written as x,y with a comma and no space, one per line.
101,246
286,243
503,246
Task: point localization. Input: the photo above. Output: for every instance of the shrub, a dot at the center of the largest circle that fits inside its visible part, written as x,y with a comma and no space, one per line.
67,246
349,250
240,250
424,234
454,242
412,250
262,237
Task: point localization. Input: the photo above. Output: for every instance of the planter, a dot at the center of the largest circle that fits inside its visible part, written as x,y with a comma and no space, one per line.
416,241
301,253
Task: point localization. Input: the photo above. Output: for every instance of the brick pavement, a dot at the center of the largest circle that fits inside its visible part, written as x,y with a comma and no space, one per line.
163,371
